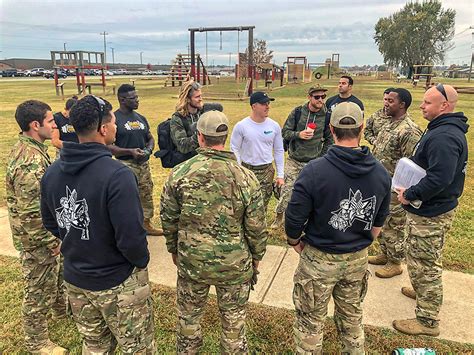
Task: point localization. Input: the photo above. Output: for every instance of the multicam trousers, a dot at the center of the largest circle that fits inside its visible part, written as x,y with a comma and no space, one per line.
40,272
425,246
231,300
265,174
393,237
292,170
122,314
145,185
318,276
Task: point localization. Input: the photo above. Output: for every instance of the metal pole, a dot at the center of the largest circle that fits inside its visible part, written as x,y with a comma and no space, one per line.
250,62
64,44
193,61
113,55
472,55
141,58
105,47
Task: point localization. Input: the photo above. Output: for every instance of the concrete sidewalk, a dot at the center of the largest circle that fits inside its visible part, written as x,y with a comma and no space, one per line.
382,305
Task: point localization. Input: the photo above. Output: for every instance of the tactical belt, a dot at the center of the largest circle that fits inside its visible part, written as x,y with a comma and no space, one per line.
256,167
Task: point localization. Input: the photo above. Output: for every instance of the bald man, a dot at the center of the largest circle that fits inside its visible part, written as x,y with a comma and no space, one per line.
442,152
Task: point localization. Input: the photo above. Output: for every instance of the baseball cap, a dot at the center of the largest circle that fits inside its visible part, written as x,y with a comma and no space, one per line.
347,109
260,97
316,88
210,121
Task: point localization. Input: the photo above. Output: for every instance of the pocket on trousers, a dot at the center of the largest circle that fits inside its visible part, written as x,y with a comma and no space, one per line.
303,295
134,308
365,286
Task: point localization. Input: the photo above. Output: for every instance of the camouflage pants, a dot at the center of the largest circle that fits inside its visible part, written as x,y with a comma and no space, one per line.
231,300
122,314
425,245
265,175
40,272
145,186
292,170
393,237
318,276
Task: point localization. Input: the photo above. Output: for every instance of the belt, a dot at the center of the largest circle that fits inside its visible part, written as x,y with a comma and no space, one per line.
256,167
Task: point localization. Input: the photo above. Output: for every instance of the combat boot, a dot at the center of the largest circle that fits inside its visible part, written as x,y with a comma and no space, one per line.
278,222
51,349
414,327
150,230
389,270
380,259
409,292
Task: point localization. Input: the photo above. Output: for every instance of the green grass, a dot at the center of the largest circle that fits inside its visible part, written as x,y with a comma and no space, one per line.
157,103
269,329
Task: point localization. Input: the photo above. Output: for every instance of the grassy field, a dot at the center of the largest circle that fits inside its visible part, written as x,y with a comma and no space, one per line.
269,330
157,103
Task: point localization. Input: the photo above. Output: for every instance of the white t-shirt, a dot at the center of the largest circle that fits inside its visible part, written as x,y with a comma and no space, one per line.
258,143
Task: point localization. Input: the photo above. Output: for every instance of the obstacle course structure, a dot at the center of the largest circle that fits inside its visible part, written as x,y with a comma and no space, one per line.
181,71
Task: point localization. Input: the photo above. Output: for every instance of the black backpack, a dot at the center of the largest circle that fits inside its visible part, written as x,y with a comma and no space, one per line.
286,143
168,153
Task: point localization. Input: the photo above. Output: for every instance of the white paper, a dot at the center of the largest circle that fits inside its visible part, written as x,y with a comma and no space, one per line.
407,174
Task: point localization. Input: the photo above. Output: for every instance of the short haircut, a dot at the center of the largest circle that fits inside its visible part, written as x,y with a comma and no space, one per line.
84,115
71,102
211,141
30,111
403,96
388,91
351,82
347,133
124,89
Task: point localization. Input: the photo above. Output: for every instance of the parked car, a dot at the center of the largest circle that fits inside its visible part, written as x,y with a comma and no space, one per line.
9,73
35,72
49,74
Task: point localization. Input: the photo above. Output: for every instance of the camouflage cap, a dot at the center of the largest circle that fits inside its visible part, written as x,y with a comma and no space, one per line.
316,88
347,109
210,121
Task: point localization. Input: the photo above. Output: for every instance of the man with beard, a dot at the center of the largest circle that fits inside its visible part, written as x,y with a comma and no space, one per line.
376,121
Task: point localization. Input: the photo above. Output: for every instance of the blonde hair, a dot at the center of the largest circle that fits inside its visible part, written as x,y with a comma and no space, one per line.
184,97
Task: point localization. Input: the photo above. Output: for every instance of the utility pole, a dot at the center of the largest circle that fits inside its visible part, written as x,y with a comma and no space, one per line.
472,54
141,58
113,55
105,47
64,44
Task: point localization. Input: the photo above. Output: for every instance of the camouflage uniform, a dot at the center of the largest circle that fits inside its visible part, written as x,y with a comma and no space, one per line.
374,125
265,174
318,276
395,141
213,219
26,165
123,313
183,132
424,263
301,151
145,185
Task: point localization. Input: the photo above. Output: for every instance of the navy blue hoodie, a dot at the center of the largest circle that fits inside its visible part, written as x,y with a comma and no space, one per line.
337,199
91,203
442,152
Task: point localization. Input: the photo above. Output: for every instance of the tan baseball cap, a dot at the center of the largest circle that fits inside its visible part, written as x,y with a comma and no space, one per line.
210,121
347,109
316,88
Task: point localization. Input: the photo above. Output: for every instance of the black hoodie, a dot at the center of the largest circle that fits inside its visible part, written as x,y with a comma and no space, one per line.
442,152
337,199
91,203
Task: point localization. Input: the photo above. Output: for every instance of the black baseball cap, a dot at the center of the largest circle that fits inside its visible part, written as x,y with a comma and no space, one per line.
260,97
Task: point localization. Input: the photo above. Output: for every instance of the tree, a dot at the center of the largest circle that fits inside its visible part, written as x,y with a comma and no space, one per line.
420,33
260,53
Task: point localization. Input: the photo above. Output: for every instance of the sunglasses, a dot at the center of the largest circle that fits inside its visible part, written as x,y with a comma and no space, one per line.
440,88
101,107
317,97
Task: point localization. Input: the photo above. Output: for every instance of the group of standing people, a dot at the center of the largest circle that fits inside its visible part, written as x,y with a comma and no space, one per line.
335,198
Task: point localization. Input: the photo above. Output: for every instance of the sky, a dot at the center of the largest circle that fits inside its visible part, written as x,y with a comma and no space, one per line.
158,30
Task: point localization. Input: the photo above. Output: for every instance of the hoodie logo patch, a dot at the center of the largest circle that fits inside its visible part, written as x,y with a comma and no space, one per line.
73,213
354,208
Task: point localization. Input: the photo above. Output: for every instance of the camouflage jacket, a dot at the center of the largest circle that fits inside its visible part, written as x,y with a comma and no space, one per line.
27,163
305,150
183,132
213,217
374,125
395,141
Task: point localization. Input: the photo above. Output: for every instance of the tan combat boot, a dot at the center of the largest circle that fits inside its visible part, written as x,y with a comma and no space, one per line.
413,327
389,270
409,292
150,230
51,349
278,222
380,259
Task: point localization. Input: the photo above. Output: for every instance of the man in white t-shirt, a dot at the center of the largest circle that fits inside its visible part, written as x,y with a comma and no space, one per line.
256,141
